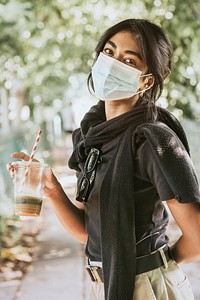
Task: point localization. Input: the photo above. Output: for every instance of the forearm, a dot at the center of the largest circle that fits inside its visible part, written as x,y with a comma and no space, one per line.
69,215
187,217
186,250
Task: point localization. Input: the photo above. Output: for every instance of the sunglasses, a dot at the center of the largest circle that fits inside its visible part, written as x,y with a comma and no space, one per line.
89,172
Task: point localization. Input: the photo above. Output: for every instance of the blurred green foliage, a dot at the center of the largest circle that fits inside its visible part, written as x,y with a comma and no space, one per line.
43,43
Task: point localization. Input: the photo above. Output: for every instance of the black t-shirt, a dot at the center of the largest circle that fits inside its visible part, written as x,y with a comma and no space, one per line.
151,189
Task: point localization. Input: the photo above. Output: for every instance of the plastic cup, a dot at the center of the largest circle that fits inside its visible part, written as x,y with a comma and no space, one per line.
28,190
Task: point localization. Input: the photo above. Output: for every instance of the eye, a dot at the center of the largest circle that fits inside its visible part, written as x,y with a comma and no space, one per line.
131,62
108,51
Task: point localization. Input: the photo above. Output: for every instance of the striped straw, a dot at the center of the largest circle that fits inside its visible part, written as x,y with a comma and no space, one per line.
31,157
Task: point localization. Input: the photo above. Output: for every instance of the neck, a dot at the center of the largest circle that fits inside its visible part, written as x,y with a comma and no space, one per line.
118,107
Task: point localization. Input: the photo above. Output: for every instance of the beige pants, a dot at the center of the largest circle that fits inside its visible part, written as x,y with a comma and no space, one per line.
159,284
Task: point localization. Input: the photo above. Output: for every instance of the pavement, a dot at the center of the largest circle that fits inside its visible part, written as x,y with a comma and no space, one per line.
57,271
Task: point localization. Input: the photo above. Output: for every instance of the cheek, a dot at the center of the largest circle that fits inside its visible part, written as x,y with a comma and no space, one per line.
141,84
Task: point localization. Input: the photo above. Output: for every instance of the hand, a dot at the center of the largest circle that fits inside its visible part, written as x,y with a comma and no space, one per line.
51,185
20,155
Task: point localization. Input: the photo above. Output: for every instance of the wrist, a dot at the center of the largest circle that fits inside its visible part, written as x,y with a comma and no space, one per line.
54,192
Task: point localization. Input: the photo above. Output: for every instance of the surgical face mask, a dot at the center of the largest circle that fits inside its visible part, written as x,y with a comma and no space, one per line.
114,80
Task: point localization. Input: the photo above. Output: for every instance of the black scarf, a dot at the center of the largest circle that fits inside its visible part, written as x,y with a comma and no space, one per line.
117,211
95,130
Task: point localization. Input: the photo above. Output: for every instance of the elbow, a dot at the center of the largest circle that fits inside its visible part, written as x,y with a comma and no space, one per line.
83,241
195,248
83,238
198,248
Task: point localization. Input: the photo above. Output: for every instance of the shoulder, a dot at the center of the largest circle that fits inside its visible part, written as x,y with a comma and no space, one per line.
164,155
76,136
156,141
157,130
148,131
158,135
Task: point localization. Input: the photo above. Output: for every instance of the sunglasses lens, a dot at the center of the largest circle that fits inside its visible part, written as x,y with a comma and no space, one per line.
92,160
82,189
83,184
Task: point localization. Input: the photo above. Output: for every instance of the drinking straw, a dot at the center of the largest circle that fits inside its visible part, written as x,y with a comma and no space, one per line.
31,156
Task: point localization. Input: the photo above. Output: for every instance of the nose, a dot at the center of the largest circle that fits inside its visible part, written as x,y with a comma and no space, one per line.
118,56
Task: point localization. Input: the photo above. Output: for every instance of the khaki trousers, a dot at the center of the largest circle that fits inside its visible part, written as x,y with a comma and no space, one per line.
158,284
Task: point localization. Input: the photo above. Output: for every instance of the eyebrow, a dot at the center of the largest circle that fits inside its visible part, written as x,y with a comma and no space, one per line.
126,51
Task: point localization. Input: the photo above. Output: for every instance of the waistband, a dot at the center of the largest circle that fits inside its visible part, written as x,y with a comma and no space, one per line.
146,263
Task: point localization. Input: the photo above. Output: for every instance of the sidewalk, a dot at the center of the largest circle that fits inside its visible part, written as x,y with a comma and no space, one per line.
58,269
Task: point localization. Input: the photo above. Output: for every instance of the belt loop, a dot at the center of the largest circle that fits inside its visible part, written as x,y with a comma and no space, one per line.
162,254
95,274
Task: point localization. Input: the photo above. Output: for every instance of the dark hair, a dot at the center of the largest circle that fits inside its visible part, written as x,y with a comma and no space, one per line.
156,51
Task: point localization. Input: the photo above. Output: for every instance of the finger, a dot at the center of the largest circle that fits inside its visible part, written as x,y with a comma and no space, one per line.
9,166
22,156
49,173
51,180
10,169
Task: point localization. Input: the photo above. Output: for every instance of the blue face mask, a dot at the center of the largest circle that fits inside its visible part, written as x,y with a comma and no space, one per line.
114,80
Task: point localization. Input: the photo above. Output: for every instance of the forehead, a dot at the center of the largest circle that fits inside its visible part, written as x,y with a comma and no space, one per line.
126,41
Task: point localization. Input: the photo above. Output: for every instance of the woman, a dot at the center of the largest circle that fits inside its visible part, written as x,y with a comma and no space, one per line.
130,156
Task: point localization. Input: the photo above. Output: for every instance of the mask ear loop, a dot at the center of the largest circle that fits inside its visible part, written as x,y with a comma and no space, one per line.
143,91
146,89
145,75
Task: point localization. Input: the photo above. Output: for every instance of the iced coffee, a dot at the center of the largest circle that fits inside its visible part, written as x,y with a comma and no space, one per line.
28,190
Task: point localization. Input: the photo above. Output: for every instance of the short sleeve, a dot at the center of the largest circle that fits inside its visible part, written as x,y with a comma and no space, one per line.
183,184
152,172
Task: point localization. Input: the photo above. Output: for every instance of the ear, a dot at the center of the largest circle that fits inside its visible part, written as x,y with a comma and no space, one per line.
149,82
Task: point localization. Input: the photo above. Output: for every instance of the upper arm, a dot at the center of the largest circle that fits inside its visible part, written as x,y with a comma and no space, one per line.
172,175
187,217
152,172
171,158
